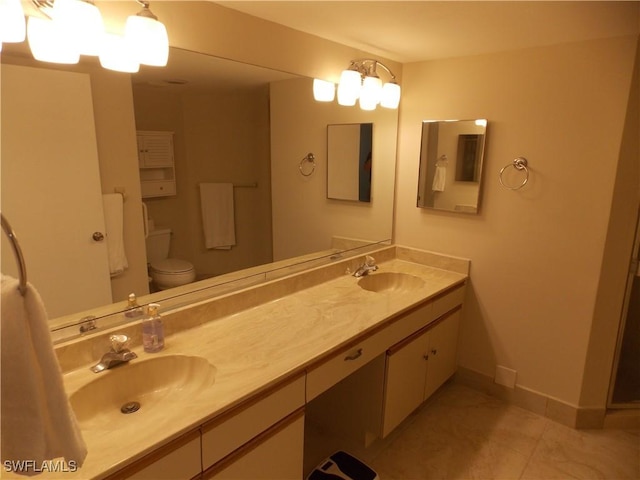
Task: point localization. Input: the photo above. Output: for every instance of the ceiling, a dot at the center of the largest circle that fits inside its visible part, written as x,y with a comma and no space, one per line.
416,31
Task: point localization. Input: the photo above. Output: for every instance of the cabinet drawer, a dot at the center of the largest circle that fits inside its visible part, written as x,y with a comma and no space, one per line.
222,436
158,188
448,301
322,377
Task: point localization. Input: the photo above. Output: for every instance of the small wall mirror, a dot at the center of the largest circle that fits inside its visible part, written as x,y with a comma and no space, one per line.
349,161
451,157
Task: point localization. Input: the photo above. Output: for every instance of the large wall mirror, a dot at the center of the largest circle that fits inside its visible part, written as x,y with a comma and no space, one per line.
225,130
350,161
451,158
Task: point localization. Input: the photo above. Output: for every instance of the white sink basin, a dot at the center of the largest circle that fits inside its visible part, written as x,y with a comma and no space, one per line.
158,383
390,282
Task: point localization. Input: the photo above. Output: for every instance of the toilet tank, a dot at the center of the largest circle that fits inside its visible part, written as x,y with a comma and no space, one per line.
158,243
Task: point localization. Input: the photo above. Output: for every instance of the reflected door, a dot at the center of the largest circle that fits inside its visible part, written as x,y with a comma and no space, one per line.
48,128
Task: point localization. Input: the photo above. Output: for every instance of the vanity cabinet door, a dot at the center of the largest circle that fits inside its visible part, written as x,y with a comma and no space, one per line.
418,366
406,372
442,352
275,454
179,460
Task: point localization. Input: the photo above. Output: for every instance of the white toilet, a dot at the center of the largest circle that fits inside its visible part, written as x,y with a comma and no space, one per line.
166,272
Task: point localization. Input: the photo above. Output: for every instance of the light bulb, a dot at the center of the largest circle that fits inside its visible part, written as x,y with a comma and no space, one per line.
82,22
49,43
148,39
370,94
390,95
117,54
323,91
349,87
12,23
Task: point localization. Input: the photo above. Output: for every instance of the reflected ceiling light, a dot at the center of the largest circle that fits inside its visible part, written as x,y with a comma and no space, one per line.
147,37
12,24
66,29
361,81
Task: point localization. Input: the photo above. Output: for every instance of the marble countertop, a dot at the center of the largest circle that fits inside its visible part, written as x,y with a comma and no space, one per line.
251,351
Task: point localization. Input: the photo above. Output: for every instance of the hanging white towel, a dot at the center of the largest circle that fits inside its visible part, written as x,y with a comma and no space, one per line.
218,215
36,422
439,179
114,226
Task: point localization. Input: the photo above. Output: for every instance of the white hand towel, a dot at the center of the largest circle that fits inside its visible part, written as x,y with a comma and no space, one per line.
114,227
439,179
218,221
36,421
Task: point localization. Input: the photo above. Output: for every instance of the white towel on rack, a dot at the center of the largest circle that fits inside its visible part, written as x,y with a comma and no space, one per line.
218,215
439,179
114,226
36,421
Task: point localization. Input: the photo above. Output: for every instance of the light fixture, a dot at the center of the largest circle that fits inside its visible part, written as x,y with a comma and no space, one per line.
361,81
147,37
12,24
67,29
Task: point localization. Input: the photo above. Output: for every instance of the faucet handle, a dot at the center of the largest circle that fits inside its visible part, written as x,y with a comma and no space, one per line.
369,261
119,342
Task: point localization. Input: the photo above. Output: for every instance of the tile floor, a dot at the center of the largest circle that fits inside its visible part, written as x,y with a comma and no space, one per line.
461,433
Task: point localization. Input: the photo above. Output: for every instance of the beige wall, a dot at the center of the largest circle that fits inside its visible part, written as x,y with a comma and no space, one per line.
304,220
536,253
219,137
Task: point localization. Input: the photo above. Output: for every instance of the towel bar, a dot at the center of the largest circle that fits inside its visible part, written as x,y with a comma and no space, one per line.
22,286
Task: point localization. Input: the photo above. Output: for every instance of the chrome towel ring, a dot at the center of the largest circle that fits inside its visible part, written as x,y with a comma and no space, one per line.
310,158
519,163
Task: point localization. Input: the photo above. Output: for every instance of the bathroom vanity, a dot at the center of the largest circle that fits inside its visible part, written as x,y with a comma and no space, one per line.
227,397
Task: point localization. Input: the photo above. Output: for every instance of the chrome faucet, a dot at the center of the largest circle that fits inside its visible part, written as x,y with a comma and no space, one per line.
369,265
117,355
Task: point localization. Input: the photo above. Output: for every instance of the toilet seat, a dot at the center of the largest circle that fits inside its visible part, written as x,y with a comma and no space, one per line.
171,266
172,272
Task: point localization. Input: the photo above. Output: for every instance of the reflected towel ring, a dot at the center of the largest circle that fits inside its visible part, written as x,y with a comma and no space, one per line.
311,159
519,163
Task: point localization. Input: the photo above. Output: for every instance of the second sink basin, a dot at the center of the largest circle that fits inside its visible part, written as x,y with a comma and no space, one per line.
140,387
390,282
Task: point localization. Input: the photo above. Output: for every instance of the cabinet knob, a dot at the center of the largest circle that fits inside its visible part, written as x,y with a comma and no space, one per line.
434,351
97,236
426,356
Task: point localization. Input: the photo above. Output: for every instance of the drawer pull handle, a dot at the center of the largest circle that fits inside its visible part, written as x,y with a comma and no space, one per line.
355,355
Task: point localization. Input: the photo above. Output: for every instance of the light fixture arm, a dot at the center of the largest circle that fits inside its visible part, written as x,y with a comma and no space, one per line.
367,65
145,12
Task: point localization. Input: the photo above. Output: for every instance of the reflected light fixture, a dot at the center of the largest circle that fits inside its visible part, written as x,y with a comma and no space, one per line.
361,82
323,91
147,37
67,29
12,24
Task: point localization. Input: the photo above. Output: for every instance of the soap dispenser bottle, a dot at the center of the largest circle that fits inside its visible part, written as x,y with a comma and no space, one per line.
133,310
152,330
